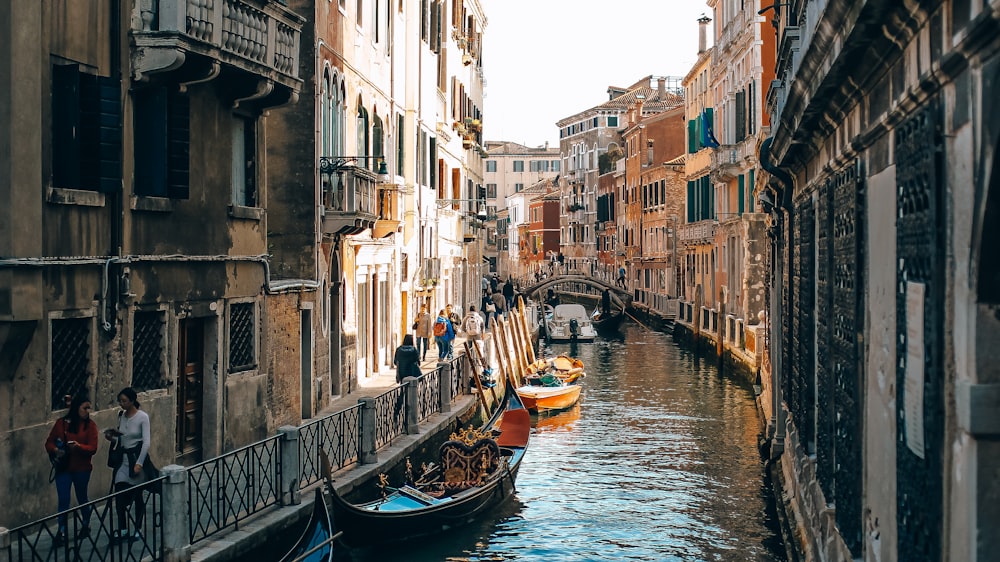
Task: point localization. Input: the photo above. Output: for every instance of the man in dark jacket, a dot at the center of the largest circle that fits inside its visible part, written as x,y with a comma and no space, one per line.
508,293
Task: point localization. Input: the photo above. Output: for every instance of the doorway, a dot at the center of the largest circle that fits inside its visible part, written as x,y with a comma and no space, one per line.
305,345
190,391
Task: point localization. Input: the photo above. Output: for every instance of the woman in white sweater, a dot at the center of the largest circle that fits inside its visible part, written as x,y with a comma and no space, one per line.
132,437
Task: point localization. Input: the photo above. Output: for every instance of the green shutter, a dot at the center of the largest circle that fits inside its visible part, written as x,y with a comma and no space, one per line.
741,194
692,140
752,186
690,202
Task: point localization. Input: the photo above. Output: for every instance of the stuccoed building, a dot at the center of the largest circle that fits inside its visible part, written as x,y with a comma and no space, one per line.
134,230
882,187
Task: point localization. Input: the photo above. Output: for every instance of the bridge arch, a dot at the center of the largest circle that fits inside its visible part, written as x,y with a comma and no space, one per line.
619,296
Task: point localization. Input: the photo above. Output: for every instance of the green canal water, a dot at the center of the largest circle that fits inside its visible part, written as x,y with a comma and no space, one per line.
658,462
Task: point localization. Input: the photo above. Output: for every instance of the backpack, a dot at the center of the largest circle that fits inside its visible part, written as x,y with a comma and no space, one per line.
440,329
471,326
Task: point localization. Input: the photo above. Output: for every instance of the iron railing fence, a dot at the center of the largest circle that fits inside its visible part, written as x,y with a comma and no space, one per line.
92,531
428,394
339,435
458,376
227,489
390,415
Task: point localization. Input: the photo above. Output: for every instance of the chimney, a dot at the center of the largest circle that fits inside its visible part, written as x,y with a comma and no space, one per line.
661,87
703,33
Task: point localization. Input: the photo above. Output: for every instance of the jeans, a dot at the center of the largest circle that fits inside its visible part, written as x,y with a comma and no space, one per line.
444,347
422,345
132,495
78,480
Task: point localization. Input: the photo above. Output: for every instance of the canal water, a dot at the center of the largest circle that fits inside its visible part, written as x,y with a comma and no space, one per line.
658,462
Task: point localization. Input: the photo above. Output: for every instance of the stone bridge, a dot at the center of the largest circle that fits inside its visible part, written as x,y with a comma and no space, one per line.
619,296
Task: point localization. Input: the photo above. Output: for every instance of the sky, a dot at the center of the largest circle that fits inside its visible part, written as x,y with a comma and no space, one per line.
548,59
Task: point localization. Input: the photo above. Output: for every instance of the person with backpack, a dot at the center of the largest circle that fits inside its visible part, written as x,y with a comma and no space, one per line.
406,359
472,324
424,331
454,318
444,333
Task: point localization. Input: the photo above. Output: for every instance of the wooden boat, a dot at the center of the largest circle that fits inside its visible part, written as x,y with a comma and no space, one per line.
471,478
316,542
569,323
607,323
539,399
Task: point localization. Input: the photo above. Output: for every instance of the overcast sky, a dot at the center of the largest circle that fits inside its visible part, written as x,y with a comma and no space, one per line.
548,59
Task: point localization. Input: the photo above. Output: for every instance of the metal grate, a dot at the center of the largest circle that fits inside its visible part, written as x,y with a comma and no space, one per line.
824,312
804,387
847,299
147,351
70,358
241,337
920,258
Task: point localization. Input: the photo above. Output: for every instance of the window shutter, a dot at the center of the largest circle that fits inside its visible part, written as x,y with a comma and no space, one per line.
692,139
178,146
751,191
150,142
741,100
100,118
690,202
741,193
65,125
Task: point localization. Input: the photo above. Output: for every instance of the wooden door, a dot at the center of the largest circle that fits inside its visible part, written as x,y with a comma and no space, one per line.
189,390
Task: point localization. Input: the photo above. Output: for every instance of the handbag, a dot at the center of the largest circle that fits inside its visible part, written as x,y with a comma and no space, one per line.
116,452
490,307
60,459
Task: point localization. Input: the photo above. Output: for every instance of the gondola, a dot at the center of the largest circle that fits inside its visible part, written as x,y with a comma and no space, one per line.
474,474
607,323
316,542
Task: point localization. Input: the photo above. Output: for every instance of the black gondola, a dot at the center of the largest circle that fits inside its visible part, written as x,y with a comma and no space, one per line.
440,500
607,322
316,542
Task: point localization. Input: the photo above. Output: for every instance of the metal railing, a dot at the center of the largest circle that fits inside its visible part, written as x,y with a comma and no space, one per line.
217,494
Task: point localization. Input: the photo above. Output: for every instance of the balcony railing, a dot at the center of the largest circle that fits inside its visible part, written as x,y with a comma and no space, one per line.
701,231
349,203
258,37
389,215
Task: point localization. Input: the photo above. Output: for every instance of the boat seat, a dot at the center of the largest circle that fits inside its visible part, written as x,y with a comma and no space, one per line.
466,465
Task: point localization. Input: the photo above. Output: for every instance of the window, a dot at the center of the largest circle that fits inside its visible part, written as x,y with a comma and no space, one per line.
491,165
518,165
612,120
86,130
518,187
147,350
491,191
162,139
556,165
400,145
70,358
377,142
244,161
360,11
242,336
362,129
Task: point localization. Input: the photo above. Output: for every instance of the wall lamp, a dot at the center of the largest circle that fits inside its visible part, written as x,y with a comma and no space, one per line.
774,7
481,214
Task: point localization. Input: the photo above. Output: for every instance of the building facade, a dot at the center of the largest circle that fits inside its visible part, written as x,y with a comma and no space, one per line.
881,186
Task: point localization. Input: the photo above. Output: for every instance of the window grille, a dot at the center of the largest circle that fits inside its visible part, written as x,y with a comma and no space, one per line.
70,358
147,351
241,337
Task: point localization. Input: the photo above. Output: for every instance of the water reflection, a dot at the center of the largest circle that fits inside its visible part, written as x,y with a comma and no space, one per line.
657,462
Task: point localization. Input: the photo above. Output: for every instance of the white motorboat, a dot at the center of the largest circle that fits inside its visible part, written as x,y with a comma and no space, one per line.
570,322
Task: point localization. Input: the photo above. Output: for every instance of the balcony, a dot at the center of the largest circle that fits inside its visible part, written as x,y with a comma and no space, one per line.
349,197
252,44
701,232
389,215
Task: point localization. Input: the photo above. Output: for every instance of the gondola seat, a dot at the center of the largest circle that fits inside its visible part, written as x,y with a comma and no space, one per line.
464,466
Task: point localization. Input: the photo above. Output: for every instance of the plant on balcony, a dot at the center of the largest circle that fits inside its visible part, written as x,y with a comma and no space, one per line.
575,207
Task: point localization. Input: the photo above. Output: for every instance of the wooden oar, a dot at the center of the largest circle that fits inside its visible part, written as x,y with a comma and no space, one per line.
637,321
482,363
527,332
475,376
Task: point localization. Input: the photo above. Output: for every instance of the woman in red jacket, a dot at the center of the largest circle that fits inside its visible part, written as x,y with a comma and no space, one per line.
74,436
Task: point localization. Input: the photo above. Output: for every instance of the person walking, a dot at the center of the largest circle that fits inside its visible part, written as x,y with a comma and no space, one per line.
132,441
424,331
500,303
472,325
444,333
621,277
454,318
508,293
406,360
71,445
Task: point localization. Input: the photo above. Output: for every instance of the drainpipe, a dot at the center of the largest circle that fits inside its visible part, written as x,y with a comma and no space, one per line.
780,206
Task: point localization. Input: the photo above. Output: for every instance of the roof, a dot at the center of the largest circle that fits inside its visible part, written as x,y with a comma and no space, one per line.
499,148
624,98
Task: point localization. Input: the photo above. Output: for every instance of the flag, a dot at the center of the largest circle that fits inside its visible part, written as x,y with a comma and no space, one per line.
707,130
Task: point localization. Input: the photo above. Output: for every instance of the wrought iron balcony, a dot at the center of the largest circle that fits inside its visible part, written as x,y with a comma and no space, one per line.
200,40
349,195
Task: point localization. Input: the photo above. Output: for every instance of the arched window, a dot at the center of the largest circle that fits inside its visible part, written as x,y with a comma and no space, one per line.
337,117
362,129
325,103
378,140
